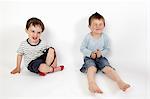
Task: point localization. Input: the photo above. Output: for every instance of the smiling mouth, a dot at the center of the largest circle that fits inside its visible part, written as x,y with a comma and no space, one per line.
34,38
98,29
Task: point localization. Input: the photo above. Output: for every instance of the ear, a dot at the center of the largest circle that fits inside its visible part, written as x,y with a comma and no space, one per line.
89,27
26,30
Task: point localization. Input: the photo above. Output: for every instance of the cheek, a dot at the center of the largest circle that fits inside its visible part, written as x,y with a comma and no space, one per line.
92,28
39,35
102,26
30,34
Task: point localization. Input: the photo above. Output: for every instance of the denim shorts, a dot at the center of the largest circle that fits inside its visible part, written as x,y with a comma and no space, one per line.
34,64
99,63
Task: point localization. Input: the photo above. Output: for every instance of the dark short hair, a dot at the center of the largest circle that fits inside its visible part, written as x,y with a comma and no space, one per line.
96,16
34,21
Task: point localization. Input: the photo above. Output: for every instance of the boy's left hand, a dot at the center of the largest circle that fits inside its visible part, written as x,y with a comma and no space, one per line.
99,54
16,70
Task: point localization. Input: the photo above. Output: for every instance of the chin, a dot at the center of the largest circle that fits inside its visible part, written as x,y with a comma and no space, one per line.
35,41
98,32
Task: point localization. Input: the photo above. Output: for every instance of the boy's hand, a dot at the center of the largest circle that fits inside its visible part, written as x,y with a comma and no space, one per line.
93,55
16,70
99,54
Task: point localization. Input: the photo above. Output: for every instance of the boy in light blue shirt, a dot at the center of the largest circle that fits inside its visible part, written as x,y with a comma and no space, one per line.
95,47
92,44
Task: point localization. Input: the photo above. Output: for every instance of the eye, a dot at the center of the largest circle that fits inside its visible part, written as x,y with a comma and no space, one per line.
33,31
95,25
39,32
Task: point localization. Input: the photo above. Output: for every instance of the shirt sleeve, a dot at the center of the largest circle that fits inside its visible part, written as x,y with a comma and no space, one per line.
47,45
83,47
20,50
106,48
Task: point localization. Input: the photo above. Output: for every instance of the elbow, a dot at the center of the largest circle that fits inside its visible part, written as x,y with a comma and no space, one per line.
81,49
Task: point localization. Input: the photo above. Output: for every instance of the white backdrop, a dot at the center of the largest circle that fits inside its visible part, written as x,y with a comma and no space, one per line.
66,25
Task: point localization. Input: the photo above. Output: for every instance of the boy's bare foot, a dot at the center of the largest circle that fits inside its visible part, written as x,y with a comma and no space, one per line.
94,88
123,86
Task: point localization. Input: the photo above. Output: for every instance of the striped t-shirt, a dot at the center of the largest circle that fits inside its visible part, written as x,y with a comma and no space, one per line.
31,52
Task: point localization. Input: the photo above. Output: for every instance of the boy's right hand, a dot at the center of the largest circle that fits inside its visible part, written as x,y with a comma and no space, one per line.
16,70
93,55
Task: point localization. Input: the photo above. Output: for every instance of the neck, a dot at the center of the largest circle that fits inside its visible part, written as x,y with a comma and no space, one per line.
33,43
96,35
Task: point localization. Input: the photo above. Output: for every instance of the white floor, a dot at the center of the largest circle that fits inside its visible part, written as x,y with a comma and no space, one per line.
128,31
71,83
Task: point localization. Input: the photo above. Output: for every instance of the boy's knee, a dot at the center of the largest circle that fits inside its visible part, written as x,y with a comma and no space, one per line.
42,67
51,49
107,69
92,68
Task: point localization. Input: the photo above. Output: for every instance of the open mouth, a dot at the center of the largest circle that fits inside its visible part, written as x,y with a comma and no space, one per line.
34,38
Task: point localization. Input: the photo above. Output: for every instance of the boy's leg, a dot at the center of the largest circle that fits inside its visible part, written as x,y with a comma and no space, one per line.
111,73
56,68
51,60
43,68
91,80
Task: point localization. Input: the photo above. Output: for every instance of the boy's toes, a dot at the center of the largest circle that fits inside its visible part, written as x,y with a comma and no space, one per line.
126,87
94,88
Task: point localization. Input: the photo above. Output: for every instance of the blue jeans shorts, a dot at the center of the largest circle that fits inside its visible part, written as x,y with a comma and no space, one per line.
99,63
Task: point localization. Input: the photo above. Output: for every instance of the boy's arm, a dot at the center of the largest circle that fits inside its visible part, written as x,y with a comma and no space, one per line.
93,55
83,48
106,49
17,69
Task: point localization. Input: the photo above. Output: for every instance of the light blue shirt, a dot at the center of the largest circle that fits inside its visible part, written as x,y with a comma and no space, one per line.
90,44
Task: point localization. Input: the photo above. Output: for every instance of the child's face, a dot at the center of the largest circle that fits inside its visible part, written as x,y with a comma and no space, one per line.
97,26
34,33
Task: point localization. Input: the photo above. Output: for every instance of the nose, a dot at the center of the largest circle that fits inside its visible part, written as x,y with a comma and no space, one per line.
97,25
35,34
